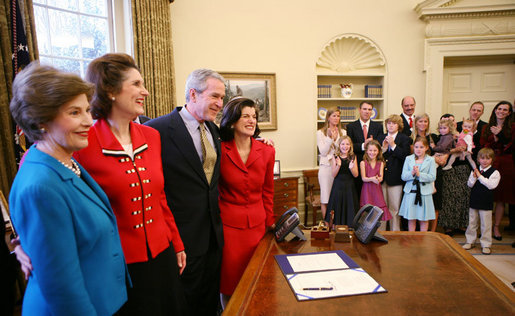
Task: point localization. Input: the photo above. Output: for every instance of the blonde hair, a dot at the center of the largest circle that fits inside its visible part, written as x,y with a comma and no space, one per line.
379,154
396,119
350,155
449,124
326,125
486,152
469,121
415,133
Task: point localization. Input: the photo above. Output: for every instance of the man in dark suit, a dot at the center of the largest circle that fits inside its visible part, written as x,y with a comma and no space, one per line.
408,115
475,111
356,131
396,146
191,187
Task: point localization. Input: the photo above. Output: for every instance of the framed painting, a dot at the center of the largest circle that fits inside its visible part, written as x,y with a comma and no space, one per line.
277,169
259,87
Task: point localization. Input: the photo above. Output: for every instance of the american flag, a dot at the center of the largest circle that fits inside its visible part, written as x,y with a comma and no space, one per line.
20,59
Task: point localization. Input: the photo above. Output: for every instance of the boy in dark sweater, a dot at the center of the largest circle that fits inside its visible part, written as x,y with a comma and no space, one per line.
482,181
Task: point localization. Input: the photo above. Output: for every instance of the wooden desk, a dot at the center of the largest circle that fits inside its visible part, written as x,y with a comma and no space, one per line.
424,273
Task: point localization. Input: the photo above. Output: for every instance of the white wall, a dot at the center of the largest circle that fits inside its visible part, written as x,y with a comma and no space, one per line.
285,37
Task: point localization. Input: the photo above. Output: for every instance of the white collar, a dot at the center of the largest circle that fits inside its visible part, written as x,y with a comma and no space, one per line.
480,169
363,123
408,117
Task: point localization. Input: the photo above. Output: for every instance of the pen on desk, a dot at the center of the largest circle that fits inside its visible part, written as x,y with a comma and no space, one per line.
317,289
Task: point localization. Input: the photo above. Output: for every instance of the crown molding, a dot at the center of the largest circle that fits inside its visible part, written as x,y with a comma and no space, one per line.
427,10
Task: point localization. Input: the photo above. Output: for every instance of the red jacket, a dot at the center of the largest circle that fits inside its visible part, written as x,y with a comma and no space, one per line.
247,190
135,189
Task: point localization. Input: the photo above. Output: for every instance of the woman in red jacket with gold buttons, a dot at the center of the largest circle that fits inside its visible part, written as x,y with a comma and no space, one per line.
124,158
246,189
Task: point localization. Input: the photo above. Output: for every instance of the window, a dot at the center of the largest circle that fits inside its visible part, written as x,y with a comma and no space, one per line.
71,33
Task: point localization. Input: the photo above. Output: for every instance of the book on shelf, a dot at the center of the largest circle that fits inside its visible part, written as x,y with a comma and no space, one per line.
324,91
347,113
373,91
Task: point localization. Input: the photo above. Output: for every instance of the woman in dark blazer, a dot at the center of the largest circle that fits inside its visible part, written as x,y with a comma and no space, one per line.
246,189
62,216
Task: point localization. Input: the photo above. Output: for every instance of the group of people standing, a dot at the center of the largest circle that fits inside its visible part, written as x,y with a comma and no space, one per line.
415,175
115,217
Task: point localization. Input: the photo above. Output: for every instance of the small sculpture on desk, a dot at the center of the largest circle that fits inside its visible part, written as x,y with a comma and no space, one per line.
321,231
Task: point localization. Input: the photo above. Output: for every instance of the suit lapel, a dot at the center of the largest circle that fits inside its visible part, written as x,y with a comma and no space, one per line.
182,139
255,153
234,156
92,191
89,188
359,131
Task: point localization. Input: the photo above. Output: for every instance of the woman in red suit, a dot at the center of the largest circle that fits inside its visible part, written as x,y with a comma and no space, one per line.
124,158
246,190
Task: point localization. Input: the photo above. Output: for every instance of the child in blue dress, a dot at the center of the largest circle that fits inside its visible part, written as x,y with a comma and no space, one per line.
419,171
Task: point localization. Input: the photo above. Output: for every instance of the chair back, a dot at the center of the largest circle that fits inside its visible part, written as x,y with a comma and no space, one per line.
311,193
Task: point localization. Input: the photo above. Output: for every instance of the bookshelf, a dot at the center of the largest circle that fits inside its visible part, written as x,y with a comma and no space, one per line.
329,95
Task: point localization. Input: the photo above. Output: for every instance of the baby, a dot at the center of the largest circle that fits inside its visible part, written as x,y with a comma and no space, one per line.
464,139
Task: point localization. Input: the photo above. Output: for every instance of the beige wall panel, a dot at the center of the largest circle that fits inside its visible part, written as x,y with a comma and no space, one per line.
493,82
286,37
460,82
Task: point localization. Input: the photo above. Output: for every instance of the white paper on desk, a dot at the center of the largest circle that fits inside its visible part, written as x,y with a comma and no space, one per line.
316,262
344,282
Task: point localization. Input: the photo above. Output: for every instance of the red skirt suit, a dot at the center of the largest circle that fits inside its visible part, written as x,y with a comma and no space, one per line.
246,206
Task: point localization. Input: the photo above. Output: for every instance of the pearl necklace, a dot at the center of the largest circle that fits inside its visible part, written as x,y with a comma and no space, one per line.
74,167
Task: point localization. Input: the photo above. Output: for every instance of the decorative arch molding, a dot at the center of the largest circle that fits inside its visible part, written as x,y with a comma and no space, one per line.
351,52
461,28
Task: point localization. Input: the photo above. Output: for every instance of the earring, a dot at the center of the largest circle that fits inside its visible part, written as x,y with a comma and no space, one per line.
113,98
42,130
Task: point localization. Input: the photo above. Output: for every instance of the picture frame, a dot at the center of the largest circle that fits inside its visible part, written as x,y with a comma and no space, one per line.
277,169
5,212
259,87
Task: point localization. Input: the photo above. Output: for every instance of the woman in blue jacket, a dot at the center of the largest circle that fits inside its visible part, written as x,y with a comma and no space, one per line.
63,218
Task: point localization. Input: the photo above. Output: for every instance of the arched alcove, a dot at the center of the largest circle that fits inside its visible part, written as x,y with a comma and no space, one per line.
349,53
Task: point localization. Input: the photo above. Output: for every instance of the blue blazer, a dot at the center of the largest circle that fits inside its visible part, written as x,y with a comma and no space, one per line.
69,231
427,174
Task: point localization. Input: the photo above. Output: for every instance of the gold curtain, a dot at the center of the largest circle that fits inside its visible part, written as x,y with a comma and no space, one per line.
154,53
7,161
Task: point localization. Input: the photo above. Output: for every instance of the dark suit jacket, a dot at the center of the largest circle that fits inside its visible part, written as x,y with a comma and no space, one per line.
395,158
143,119
406,130
355,132
192,200
476,138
